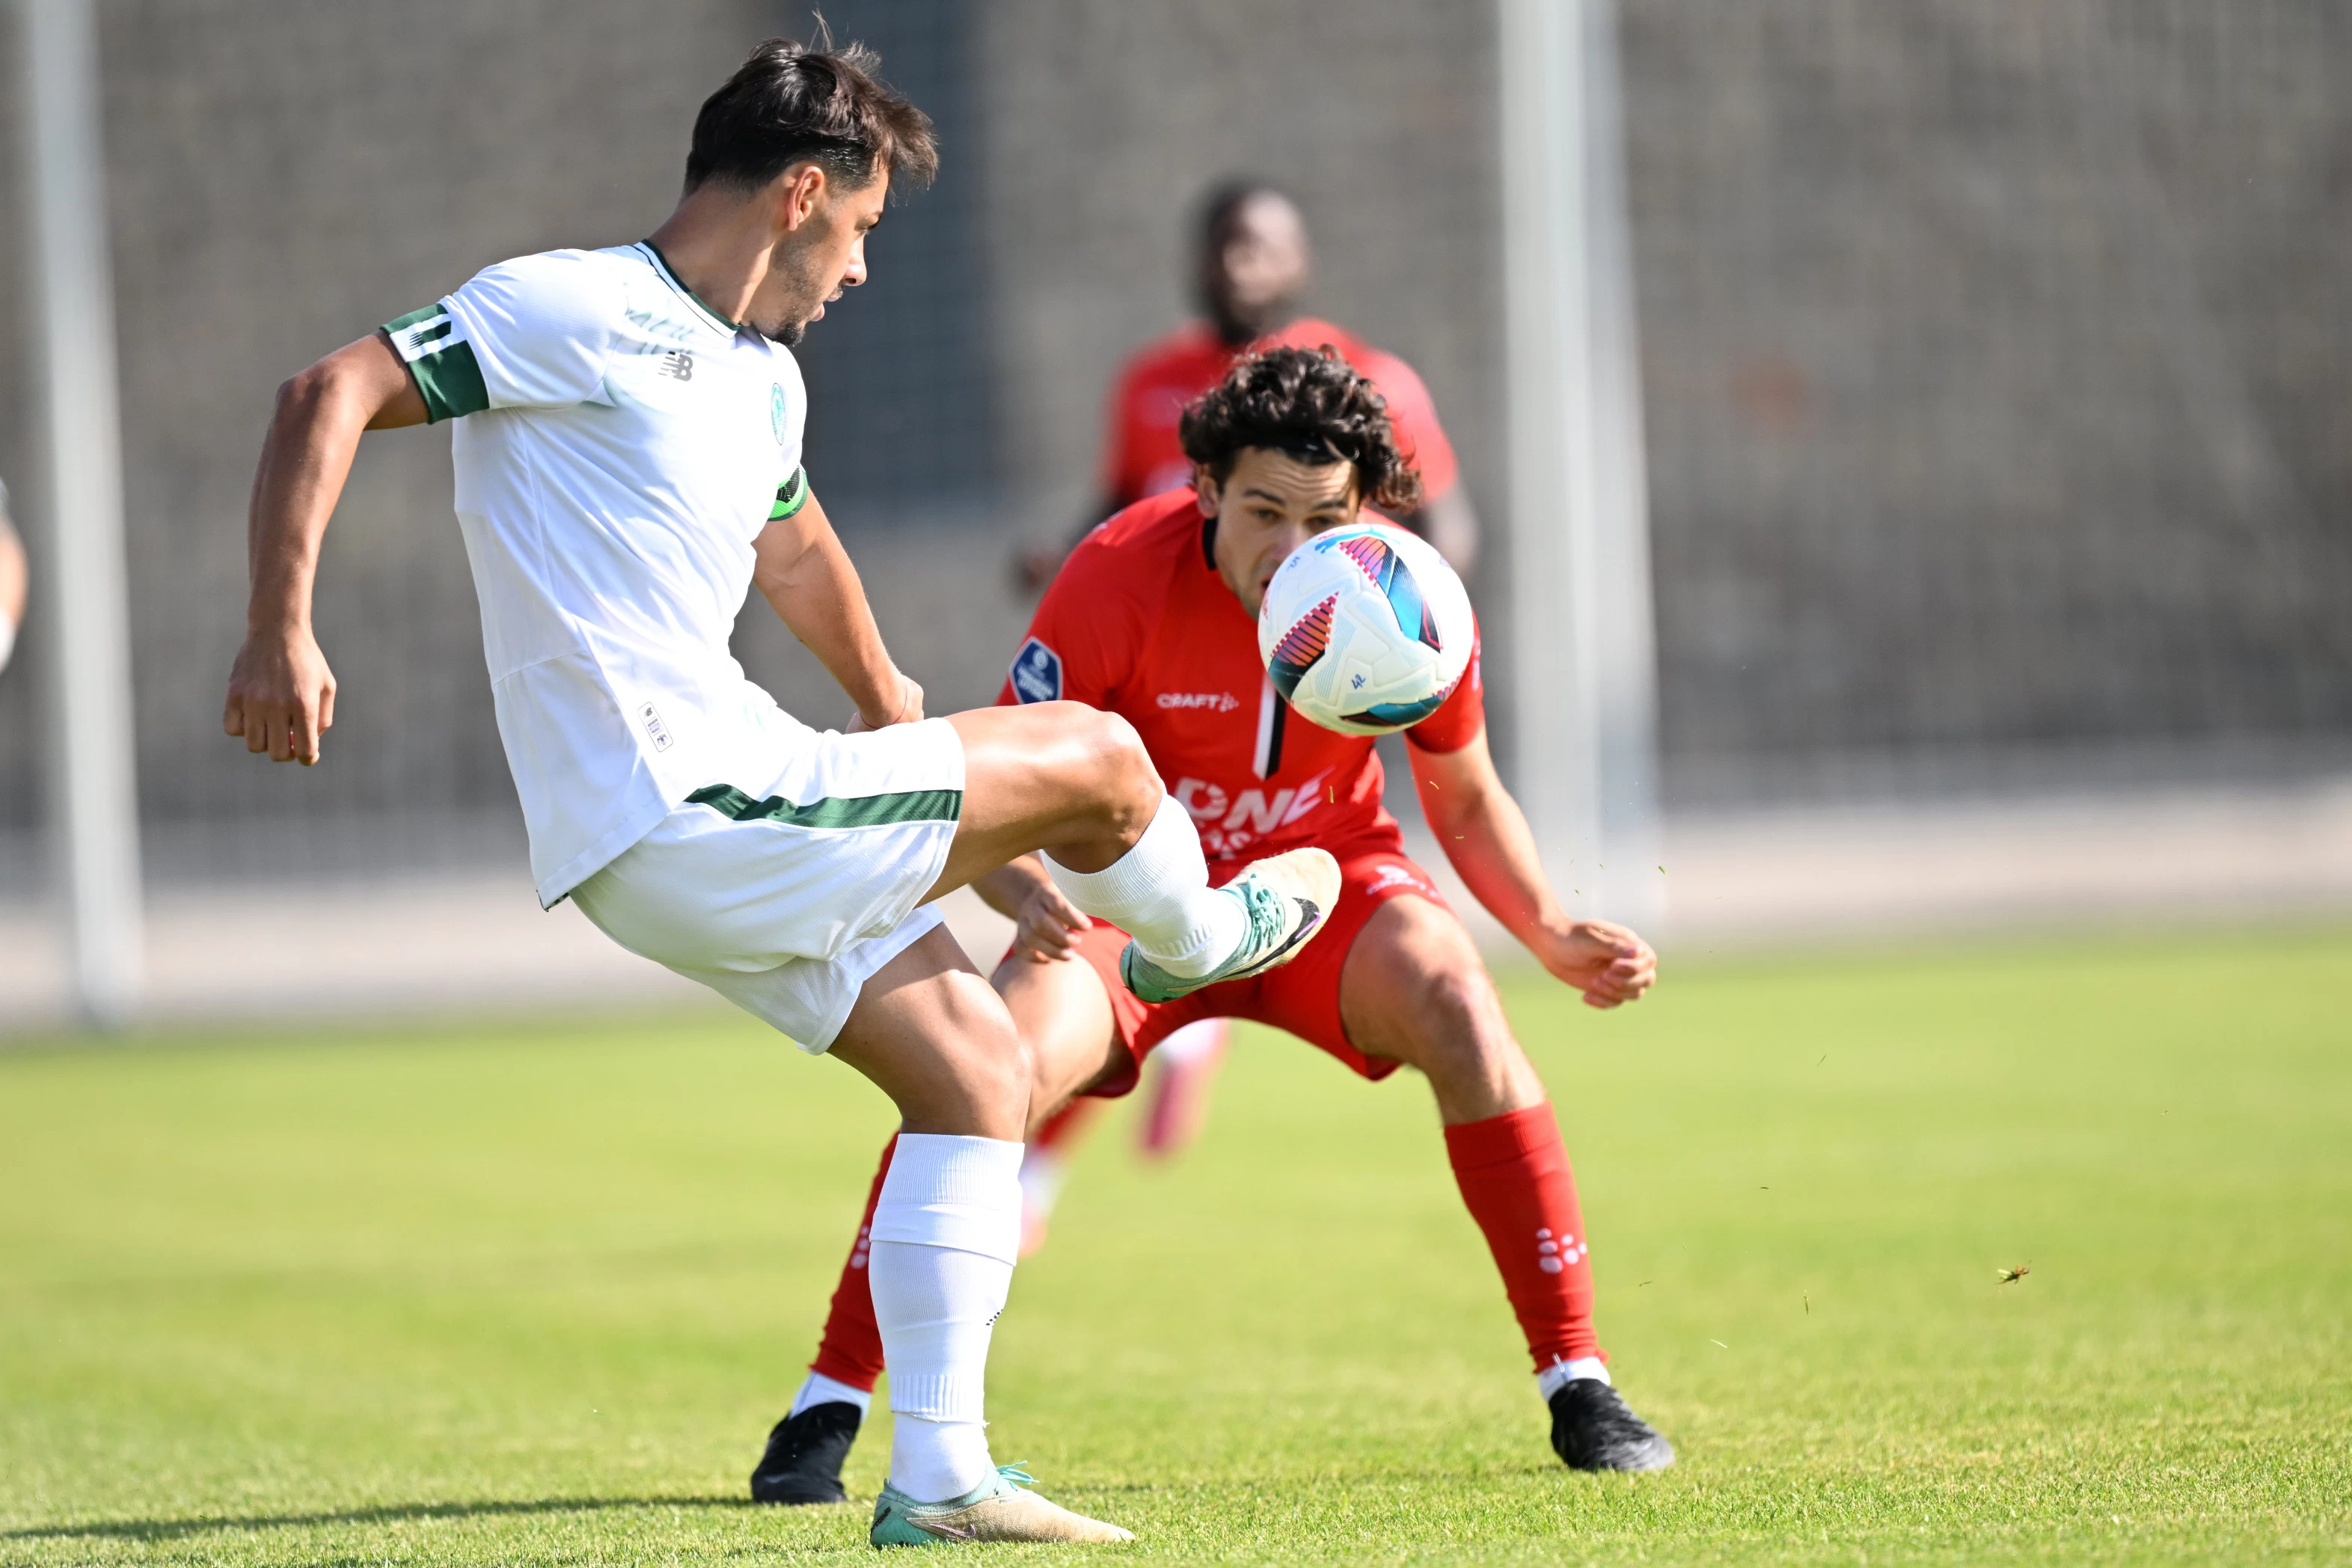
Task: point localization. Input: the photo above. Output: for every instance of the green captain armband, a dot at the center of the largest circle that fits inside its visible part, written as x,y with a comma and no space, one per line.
433,347
791,496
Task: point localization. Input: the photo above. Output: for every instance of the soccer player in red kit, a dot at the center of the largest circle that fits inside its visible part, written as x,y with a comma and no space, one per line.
1154,619
1254,265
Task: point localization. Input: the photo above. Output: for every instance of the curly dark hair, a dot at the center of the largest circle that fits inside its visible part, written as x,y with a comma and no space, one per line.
1312,405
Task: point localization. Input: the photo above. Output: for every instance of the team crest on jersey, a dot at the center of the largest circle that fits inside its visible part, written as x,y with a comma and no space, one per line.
1036,673
776,412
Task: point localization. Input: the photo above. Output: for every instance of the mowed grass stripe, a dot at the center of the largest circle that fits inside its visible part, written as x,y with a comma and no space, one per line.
504,1294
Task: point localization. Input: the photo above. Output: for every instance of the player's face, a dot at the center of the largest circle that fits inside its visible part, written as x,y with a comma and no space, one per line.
821,254
1255,263
1268,506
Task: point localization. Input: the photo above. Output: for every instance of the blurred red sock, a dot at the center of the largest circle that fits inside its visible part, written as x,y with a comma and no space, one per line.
1513,1175
851,1351
1068,1125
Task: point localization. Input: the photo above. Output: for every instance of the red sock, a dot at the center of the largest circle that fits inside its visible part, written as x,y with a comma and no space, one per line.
1513,1175
851,1351
1066,1126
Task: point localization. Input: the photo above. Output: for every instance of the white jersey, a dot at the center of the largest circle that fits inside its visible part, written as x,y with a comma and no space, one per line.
622,446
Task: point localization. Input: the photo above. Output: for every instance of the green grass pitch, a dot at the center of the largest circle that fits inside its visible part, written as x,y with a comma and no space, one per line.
451,1294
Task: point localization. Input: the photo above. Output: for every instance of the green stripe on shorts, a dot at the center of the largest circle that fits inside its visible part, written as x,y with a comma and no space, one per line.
850,811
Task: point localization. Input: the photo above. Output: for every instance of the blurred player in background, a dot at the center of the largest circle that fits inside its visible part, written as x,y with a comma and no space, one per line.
12,582
1161,603
1253,265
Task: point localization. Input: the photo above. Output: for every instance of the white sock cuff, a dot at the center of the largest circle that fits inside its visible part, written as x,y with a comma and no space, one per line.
1560,1374
952,1192
819,1389
1170,840
943,1397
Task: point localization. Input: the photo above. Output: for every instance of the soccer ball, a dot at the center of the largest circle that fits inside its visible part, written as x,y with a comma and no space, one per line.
1365,629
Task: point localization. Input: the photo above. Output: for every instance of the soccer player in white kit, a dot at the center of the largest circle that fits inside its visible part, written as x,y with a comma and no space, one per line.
628,438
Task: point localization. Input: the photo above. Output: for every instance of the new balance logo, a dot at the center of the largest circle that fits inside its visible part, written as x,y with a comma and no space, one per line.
678,364
427,332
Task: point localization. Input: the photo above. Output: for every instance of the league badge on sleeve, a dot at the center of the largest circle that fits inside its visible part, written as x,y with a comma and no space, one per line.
1036,673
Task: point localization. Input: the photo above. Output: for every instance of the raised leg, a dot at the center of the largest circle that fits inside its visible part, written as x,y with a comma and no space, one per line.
1075,783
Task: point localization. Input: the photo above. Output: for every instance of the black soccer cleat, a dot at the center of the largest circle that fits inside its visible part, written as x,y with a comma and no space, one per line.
1592,1429
804,1456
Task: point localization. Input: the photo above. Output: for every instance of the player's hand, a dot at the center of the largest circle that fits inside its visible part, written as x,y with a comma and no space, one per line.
910,710
1606,961
281,696
1048,927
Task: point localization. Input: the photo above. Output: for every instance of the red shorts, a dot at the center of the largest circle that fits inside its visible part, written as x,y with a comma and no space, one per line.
1302,997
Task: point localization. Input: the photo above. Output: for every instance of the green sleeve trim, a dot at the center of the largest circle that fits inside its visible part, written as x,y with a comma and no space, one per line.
850,811
441,361
791,496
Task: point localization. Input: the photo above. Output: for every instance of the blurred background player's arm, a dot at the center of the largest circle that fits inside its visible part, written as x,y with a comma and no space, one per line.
1485,836
281,695
12,583
807,579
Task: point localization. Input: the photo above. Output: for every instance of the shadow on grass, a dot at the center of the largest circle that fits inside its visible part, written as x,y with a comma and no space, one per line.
174,1528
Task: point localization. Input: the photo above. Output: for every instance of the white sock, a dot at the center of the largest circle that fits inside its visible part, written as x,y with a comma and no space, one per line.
946,1232
1560,1374
819,1389
1158,892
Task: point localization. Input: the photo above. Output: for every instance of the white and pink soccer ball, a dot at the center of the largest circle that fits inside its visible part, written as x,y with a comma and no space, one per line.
1365,629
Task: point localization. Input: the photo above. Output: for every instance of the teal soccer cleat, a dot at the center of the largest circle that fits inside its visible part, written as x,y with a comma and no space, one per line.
1001,1508
1287,898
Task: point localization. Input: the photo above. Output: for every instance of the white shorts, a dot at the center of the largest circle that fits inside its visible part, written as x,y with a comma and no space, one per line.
786,894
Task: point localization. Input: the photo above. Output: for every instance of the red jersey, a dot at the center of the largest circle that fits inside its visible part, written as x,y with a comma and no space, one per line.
1162,376
1140,625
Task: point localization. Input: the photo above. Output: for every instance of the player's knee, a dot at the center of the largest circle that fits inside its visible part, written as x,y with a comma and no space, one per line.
1128,785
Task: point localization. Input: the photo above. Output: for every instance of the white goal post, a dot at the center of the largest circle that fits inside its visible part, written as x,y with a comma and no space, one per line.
93,786
1583,647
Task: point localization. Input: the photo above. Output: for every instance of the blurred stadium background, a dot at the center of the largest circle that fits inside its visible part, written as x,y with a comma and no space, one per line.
1995,359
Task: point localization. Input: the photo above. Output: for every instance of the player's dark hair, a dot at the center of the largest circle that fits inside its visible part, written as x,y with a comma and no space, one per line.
1225,198
790,103
1310,404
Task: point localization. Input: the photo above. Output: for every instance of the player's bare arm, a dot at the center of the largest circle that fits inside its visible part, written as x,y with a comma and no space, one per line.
281,693
805,575
1485,837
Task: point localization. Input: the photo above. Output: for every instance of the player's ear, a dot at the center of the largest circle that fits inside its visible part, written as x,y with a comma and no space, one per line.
1206,493
799,190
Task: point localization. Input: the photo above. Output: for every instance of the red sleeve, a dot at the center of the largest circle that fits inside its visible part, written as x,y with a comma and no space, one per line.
1087,634
1414,414
1460,719
1121,481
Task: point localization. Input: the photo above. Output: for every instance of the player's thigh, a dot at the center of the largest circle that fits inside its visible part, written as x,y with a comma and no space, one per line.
1064,1015
931,1034
1414,989
1057,777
